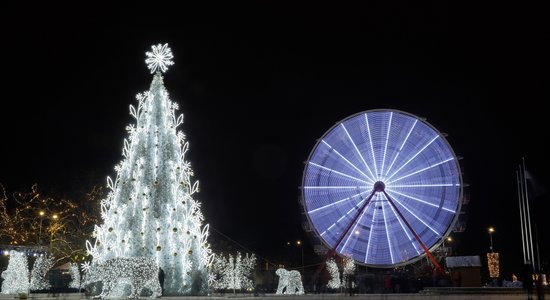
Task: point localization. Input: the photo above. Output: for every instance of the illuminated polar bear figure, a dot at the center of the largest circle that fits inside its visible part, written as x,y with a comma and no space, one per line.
115,273
290,282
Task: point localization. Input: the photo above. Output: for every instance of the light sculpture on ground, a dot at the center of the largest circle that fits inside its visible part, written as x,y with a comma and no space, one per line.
332,267
16,275
40,268
233,272
290,282
348,270
150,210
137,272
74,271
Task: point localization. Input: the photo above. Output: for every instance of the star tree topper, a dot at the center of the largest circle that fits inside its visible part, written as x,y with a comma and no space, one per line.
159,59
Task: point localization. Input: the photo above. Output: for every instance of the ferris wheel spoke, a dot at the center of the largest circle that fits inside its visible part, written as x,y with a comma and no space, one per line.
421,170
420,200
413,157
353,231
418,238
387,229
386,145
409,238
402,145
370,235
347,161
332,171
372,148
336,203
414,215
357,150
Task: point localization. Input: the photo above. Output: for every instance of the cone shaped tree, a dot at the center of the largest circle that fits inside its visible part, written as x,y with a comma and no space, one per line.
150,210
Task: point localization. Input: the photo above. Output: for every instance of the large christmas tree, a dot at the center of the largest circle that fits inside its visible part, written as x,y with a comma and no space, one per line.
150,210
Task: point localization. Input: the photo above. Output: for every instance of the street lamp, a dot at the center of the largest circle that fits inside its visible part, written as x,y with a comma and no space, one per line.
491,230
449,239
41,214
299,244
53,228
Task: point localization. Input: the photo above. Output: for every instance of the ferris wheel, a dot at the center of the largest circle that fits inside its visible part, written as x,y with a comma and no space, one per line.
383,187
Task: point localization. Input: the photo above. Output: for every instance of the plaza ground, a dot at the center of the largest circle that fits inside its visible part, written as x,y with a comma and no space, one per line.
428,293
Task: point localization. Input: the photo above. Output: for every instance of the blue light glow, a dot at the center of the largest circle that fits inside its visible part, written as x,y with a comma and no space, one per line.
420,173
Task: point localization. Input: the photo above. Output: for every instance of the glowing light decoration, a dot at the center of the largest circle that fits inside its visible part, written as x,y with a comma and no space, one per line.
290,282
151,210
16,275
40,268
493,263
332,267
75,276
418,186
159,59
233,272
137,272
348,270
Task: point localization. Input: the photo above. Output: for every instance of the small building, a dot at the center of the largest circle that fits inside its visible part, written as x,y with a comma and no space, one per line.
465,271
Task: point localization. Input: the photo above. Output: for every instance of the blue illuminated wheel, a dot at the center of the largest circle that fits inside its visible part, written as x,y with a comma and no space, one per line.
383,187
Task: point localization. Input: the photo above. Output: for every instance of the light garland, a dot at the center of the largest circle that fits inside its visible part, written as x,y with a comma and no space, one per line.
150,210
139,272
16,276
290,282
493,264
39,271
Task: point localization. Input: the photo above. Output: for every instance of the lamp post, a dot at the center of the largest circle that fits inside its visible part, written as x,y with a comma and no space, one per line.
299,244
41,214
449,239
491,230
53,229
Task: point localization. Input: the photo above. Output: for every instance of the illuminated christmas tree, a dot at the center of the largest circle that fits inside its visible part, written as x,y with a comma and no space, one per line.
150,210
40,269
332,267
16,275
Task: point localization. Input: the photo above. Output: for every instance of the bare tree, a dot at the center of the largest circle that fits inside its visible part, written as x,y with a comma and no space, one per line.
56,225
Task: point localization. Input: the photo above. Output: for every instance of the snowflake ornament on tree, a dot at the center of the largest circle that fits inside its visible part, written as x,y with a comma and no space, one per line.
159,59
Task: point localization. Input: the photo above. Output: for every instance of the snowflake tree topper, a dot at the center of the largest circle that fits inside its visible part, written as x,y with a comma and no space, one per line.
159,59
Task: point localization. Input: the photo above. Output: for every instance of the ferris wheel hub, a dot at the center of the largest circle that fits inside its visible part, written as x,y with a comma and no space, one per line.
379,186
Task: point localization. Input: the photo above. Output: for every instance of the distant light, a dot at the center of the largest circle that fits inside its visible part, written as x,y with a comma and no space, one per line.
41,213
55,217
491,229
298,243
356,232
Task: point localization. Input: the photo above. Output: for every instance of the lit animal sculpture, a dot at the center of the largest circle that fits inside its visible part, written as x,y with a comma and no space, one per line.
290,282
117,273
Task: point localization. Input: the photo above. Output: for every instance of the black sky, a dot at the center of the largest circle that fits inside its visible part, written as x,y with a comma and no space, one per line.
260,82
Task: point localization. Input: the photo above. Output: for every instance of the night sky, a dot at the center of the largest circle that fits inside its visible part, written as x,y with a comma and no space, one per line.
260,82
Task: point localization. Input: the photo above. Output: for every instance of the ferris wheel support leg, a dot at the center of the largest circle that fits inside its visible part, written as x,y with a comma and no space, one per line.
333,250
430,256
